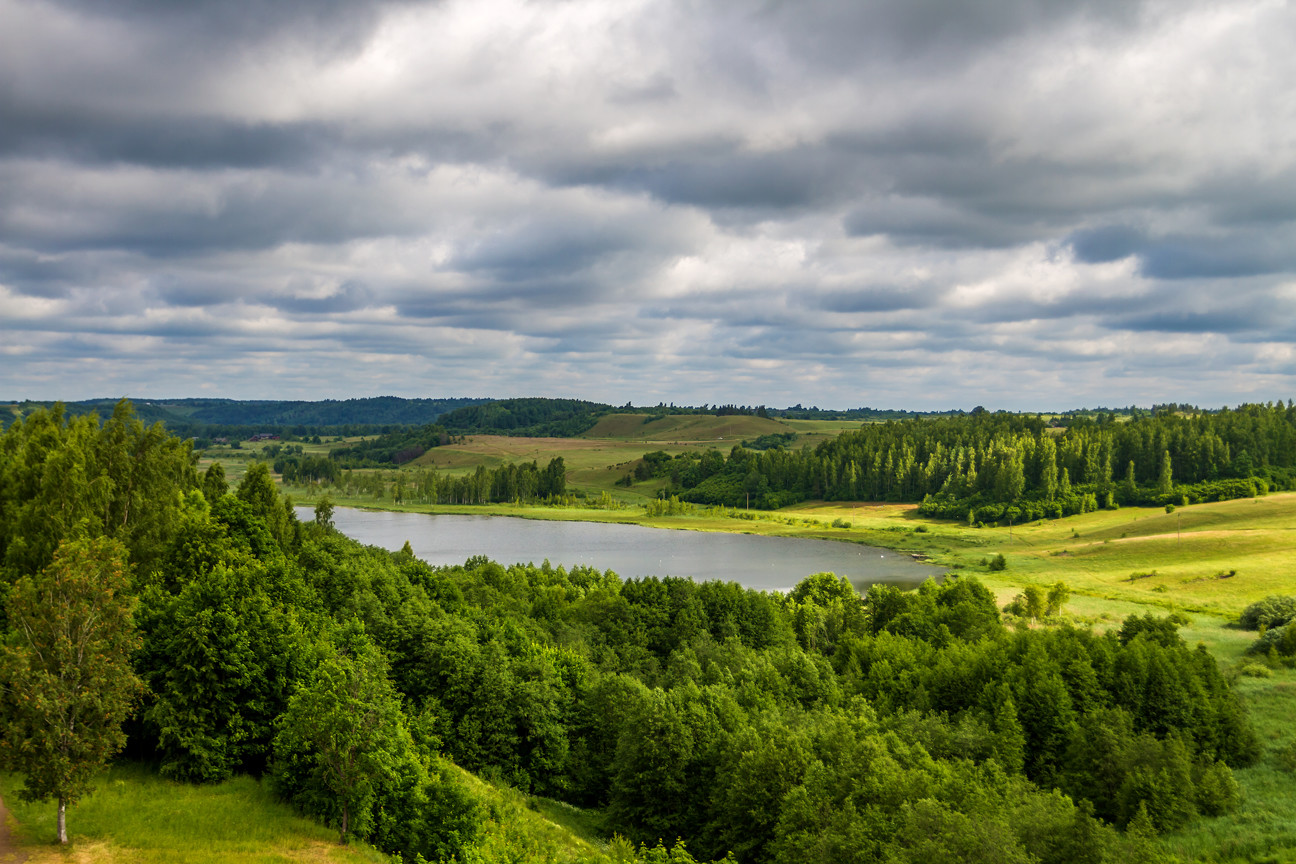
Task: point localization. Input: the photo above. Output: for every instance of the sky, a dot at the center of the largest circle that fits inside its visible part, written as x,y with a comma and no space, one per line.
922,204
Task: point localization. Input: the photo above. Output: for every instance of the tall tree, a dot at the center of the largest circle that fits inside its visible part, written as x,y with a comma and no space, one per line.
1165,477
66,682
347,725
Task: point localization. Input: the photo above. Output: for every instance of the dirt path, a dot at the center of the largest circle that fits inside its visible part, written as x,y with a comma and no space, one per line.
9,853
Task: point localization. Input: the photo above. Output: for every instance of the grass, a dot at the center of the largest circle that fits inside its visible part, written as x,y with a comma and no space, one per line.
135,815
535,830
1264,828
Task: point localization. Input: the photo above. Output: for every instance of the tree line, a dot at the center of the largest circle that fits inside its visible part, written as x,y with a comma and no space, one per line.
511,482
994,466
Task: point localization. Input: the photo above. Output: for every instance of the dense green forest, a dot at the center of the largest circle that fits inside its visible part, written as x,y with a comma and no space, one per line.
565,418
819,725
233,418
395,448
989,467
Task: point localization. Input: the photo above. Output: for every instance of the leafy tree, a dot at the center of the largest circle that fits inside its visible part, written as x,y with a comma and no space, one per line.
222,658
1058,596
1165,482
65,675
1035,604
214,485
324,513
346,725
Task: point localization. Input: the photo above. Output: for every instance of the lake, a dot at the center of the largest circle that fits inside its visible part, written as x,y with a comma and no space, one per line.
631,551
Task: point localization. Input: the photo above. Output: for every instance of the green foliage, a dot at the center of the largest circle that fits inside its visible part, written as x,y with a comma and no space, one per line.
213,484
560,418
66,683
324,512
221,657
1058,596
1279,642
137,816
61,479
771,441
990,464
344,752
395,448
1273,611
510,482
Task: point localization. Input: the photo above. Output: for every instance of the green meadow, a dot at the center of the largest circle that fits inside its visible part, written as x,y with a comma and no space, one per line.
135,815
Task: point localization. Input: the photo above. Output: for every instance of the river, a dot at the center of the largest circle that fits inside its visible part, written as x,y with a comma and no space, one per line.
631,551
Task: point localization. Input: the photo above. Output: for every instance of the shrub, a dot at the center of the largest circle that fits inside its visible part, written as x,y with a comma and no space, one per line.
1273,611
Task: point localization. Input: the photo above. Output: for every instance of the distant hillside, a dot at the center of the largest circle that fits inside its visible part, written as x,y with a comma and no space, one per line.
532,418
198,417
684,427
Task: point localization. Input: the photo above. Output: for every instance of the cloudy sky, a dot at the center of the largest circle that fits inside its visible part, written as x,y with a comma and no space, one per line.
1026,204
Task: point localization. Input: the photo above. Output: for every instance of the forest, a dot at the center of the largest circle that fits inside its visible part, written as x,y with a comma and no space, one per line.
817,725
242,418
991,467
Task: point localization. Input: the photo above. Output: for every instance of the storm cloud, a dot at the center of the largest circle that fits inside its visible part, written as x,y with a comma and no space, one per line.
913,203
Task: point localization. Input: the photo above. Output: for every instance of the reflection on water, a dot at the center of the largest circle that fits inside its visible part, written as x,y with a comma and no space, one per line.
632,551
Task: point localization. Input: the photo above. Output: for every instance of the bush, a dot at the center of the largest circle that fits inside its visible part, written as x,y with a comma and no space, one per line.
998,562
1273,611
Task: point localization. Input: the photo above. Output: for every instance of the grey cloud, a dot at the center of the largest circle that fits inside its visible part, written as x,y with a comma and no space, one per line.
92,135
876,298
1210,257
240,213
713,210
1225,320
1180,256
1106,243
936,33
658,88
211,25
942,224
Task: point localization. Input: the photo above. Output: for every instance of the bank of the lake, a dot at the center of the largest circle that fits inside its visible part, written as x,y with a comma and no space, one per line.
1212,558
631,551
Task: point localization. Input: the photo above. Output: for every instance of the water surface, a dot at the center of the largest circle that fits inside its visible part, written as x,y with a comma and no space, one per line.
631,551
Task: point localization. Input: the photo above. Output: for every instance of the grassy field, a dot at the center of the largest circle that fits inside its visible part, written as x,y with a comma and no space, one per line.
135,816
